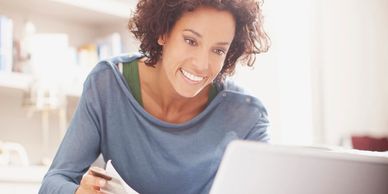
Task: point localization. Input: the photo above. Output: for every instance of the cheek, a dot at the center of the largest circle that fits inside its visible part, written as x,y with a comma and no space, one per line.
170,58
217,63
216,68
174,54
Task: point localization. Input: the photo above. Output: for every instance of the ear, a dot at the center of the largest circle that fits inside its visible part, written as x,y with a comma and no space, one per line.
162,40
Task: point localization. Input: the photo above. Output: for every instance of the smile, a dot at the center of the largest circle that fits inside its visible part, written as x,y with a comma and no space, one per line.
191,77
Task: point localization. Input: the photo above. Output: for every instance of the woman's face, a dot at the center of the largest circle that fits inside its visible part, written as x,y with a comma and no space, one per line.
195,49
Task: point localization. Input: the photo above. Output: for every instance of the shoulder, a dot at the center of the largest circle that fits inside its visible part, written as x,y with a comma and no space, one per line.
238,96
112,63
108,68
124,58
242,112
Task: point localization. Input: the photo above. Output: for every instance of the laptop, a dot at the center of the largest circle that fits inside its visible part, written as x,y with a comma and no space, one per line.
256,168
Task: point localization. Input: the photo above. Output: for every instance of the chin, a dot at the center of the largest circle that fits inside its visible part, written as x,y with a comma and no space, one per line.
187,93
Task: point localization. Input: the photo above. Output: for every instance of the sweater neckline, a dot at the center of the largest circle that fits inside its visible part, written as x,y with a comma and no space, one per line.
164,124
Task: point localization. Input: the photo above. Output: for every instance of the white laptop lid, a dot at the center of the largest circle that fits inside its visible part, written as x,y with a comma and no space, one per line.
251,167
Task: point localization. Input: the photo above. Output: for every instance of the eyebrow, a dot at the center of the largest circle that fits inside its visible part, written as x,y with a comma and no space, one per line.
200,36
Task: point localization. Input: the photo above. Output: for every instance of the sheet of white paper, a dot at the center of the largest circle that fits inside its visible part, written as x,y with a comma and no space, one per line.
117,185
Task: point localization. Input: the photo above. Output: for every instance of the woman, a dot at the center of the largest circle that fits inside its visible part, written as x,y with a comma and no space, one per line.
164,117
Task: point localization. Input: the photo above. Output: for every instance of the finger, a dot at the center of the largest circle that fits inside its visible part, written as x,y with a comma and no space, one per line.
98,169
93,181
99,172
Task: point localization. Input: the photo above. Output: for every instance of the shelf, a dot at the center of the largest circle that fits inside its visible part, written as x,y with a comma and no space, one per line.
93,12
15,80
94,15
20,81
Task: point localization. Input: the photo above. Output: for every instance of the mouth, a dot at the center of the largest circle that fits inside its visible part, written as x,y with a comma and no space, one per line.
191,77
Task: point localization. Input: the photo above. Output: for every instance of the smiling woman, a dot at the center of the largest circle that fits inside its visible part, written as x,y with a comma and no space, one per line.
165,115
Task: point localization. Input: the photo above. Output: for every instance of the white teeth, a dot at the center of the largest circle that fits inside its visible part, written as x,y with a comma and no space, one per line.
191,76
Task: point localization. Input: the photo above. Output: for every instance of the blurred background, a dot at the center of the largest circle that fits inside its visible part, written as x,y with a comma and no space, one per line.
323,81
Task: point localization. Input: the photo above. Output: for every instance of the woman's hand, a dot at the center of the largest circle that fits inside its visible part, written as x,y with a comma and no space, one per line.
90,183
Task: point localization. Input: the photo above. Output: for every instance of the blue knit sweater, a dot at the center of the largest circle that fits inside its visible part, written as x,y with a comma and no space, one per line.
151,155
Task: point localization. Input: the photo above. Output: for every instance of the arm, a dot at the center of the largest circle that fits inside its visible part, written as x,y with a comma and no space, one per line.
259,131
79,148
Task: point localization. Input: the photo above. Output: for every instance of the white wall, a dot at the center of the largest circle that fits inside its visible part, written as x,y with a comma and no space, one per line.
281,78
325,76
354,61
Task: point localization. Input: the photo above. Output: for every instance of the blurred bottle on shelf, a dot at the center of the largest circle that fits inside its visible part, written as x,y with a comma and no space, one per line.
23,48
109,46
6,44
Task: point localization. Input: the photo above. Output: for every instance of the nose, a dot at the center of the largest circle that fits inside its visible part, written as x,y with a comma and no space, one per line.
200,63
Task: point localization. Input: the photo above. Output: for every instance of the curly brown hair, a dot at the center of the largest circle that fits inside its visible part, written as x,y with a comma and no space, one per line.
154,18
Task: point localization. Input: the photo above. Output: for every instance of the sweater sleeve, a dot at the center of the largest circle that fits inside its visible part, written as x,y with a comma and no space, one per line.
78,150
259,131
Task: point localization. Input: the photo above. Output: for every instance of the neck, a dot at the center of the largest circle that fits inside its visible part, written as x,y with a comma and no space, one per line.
161,99
169,99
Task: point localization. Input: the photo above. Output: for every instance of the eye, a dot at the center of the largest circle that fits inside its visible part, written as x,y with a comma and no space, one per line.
219,52
190,42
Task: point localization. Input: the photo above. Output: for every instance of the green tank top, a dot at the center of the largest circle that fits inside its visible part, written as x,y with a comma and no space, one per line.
131,75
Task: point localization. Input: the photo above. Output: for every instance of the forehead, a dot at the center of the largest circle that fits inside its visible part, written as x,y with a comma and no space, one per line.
209,22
